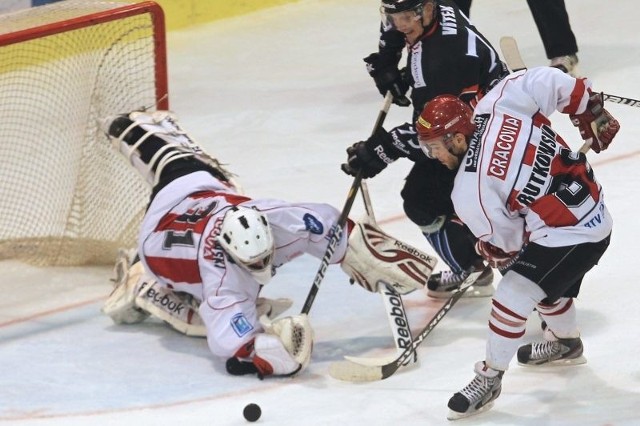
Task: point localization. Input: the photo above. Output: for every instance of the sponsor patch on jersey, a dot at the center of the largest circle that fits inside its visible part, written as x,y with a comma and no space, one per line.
240,324
475,144
312,224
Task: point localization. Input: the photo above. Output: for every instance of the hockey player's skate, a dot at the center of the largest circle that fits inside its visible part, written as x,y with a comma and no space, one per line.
567,64
442,284
552,352
477,396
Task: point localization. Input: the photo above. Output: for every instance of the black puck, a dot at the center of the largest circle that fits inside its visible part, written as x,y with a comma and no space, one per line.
252,412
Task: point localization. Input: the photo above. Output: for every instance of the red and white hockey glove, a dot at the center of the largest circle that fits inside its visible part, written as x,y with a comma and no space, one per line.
495,256
597,127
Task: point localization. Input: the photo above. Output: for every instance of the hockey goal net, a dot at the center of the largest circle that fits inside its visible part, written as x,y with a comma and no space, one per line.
66,197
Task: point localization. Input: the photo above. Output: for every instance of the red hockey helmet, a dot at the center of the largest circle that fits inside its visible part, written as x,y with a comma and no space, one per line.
445,115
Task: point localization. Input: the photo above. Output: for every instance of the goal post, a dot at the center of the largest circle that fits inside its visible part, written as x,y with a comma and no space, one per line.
67,197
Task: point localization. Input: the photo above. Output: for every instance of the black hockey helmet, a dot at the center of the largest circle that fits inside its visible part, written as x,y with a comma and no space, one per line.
394,6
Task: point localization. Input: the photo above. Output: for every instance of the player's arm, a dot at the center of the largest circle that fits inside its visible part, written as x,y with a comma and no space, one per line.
382,66
575,97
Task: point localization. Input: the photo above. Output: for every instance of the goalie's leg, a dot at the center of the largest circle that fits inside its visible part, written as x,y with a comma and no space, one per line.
156,145
137,295
120,305
374,257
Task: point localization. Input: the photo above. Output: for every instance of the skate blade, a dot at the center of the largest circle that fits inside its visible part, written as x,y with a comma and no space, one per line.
479,291
559,362
454,415
472,291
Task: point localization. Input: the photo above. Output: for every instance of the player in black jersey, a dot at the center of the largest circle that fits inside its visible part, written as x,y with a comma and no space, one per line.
446,55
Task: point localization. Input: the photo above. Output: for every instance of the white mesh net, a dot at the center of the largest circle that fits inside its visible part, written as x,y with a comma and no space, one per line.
66,197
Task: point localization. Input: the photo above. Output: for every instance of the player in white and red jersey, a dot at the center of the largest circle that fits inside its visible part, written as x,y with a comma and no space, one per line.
534,205
205,250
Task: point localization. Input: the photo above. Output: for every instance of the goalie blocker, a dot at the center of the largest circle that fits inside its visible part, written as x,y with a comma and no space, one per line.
374,257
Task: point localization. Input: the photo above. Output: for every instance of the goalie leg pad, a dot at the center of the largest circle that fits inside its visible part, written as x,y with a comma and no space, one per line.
120,305
152,140
373,256
179,310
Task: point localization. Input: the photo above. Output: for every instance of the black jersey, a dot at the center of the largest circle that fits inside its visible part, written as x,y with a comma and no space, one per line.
451,57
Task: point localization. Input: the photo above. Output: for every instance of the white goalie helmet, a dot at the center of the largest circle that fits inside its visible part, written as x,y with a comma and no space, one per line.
246,236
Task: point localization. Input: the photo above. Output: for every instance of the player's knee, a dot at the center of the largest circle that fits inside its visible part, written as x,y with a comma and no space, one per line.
426,221
518,293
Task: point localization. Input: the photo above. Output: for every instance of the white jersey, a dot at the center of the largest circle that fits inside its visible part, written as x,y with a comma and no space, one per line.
519,176
177,245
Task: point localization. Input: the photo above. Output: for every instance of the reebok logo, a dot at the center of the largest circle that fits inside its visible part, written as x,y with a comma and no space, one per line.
160,299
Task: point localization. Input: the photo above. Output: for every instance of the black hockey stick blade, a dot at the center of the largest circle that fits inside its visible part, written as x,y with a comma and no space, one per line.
350,371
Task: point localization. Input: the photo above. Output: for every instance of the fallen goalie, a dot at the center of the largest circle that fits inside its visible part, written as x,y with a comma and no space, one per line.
205,251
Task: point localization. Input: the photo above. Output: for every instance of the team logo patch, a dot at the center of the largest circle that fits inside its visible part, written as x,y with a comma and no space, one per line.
312,224
241,325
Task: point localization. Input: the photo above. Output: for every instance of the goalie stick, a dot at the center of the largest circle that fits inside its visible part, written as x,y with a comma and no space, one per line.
513,58
339,227
396,313
356,372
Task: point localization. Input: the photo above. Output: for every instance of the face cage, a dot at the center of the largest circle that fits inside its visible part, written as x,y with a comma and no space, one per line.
259,264
260,269
389,19
446,140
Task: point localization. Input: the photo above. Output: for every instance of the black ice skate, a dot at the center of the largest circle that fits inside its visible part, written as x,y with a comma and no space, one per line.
441,284
477,396
555,352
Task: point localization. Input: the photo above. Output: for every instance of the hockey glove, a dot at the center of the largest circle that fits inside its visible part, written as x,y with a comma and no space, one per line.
596,125
388,78
372,155
495,256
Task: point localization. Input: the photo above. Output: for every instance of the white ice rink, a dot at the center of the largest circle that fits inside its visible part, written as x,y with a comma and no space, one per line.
279,95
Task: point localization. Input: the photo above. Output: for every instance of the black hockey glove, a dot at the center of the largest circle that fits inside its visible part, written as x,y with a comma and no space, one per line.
388,78
372,155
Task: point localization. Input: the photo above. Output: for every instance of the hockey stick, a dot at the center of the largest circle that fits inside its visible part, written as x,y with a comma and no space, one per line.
399,324
338,229
356,372
511,53
396,313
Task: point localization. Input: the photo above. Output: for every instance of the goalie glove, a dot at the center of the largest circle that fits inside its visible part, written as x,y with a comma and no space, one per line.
284,349
597,127
495,256
373,257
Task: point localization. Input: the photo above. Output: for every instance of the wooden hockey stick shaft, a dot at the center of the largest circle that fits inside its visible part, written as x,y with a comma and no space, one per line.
338,229
511,53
